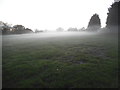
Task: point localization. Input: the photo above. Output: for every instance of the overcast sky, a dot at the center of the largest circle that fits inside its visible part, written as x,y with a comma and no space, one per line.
51,14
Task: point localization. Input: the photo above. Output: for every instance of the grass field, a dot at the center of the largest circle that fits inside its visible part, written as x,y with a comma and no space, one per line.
70,60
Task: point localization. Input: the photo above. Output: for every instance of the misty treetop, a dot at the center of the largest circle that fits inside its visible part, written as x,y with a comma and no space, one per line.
94,23
113,14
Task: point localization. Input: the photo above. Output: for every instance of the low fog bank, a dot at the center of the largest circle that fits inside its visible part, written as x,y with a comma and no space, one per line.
43,37
48,35
56,36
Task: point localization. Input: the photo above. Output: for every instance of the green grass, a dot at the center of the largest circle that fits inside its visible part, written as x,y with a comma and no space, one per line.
89,61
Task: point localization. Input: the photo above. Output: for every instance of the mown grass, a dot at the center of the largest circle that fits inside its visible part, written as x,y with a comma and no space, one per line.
89,61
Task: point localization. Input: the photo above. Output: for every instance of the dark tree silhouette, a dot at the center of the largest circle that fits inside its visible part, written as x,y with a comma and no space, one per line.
19,29
94,23
112,19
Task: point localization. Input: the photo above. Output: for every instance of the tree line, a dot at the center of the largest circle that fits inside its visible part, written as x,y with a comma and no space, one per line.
16,29
112,22
93,25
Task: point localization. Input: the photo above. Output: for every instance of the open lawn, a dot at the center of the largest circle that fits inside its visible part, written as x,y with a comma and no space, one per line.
50,60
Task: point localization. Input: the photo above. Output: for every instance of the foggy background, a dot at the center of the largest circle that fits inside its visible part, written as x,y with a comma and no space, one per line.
51,14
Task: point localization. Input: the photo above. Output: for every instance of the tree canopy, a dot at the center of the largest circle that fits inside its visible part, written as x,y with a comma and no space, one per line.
112,19
94,23
16,29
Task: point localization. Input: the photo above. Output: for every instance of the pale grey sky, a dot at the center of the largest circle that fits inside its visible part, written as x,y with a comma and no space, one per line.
51,14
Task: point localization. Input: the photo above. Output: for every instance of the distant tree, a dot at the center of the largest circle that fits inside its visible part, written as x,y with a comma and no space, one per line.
38,31
59,29
82,29
72,29
45,30
5,28
112,19
18,29
27,30
94,23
